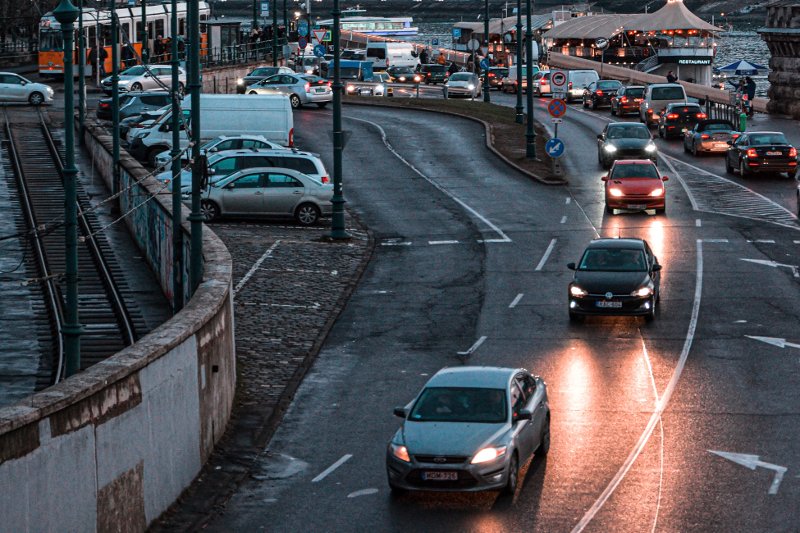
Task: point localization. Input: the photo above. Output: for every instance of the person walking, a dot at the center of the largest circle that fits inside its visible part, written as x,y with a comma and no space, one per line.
441,59
93,61
128,55
671,77
750,91
423,56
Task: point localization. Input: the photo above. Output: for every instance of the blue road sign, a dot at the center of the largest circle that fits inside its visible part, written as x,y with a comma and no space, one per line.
557,108
302,28
319,50
485,64
456,33
554,147
435,41
302,42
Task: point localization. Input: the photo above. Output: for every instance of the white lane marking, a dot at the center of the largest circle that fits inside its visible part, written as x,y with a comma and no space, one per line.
255,266
762,241
698,222
774,264
563,219
796,241
715,240
546,255
442,242
474,346
775,341
661,430
315,305
686,188
362,492
503,236
661,405
396,243
516,300
322,475
568,200
493,240
752,462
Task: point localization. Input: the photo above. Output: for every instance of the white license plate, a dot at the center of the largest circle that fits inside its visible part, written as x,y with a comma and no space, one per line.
319,90
637,206
440,476
774,153
720,145
608,304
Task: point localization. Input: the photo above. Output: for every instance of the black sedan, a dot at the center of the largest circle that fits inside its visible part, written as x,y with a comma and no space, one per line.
677,118
258,74
599,93
496,75
761,152
625,140
615,277
404,75
709,136
627,100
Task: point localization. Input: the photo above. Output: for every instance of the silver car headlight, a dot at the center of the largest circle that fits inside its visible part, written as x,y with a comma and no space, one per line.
650,148
610,148
240,81
578,292
488,454
400,452
470,86
351,88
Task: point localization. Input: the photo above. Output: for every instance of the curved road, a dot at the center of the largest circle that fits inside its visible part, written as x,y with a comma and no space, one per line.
468,250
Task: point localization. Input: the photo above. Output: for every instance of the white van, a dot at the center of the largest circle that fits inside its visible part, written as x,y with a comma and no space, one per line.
577,81
385,54
269,115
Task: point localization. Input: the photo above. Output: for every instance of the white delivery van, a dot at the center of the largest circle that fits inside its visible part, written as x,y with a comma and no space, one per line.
385,54
269,115
577,81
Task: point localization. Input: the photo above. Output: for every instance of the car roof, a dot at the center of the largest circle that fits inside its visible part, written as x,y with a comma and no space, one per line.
682,104
665,85
489,377
634,86
627,124
634,162
259,151
763,132
620,243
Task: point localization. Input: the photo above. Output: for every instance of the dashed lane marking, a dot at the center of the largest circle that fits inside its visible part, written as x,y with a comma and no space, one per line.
255,267
546,255
474,347
698,222
433,243
322,475
362,492
516,300
564,219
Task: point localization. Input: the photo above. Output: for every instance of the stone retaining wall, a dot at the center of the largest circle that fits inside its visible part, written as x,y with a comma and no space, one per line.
111,448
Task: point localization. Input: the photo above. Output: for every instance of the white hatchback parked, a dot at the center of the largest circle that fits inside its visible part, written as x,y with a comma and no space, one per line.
15,88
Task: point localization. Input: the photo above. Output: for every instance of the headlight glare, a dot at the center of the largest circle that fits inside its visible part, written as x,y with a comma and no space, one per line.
470,86
488,454
642,292
240,81
657,192
401,452
578,292
610,148
615,192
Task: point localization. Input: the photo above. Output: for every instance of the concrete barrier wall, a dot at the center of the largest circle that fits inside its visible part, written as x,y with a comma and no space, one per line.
556,60
112,447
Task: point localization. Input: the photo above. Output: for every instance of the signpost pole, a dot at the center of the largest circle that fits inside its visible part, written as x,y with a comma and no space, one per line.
486,97
274,33
338,231
530,134
518,108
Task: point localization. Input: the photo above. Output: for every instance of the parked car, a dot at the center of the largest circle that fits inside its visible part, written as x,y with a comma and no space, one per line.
144,120
656,98
301,89
307,65
433,73
677,118
16,88
599,93
577,81
403,75
759,152
627,100
258,74
469,429
496,76
709,136
615,277
635,185
223,143
268,192
541,83
353,54
141,78
625,140
133,103
462,84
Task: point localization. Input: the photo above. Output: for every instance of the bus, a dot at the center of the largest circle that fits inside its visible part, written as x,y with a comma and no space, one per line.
97,35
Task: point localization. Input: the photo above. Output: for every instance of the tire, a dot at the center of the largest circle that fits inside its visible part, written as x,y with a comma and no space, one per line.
396,491
36,98
513,476
614,111
209,210
136,86
585,104
322,105
307,214
728,167
609,210
661,133
685,148
294,100
694,149
544,446
252,92
661,211
594,104
743,169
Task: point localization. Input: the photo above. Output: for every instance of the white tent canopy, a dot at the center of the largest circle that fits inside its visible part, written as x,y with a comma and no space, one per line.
673,16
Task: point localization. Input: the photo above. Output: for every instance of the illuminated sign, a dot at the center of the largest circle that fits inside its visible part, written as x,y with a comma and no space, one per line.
694,61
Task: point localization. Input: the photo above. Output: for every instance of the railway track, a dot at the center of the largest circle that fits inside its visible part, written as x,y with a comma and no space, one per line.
110,320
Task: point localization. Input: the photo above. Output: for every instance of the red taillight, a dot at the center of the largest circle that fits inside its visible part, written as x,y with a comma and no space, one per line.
491,74
291,137
542,82
599,92
672,116
569,86
751,152
701,115
325,179
792,152
624,99
705,136
308,87
735,136
105,104
428,74
330,84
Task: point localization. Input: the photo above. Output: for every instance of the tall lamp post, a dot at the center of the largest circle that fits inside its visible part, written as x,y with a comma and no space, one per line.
486,97
518,108
81,74
65,14
255,15
274,33
114,98
196,218
145,44
337,219
530,134
285,22
177,118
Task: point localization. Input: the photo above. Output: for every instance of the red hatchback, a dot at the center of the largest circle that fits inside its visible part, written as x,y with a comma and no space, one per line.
635,185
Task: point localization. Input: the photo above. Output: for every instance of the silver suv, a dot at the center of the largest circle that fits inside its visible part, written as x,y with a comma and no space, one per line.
142,78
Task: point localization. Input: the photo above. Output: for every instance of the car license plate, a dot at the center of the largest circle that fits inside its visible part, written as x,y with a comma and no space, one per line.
608,304
319,90
720,145
440,476
637,206
774,153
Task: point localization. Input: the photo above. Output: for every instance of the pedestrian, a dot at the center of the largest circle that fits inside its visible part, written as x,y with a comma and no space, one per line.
671,77
750,91
423,56
441,59
103,57
452,69
158,48
128,55
93,61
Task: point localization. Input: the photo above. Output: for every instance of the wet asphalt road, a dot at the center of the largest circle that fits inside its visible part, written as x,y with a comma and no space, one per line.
635,407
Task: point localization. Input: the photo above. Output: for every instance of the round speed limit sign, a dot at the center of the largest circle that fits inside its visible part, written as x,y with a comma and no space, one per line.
558,79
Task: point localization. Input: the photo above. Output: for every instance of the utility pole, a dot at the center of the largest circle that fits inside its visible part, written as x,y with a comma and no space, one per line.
338,231
175,153
518,108
530,133
196,218
114,99
486,97
274,33
81,75
145,47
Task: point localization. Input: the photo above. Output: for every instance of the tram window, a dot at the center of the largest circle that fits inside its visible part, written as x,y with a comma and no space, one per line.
151,30
125,32
159,28
50,40
92,35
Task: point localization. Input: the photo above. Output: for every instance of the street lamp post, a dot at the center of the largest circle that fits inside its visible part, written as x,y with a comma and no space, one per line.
530,134
337,220
518,108
285,22
65,14
81,75
274,33
196,218
255,16
114,98
486,97
145,47
175,153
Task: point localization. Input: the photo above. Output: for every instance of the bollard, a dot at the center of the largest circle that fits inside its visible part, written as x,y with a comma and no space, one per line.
742,121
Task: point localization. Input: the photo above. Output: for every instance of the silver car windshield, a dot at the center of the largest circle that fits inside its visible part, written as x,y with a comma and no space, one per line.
460,404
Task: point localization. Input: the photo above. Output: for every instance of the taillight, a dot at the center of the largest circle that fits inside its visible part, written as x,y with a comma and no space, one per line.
735,136
701,115
792,152
330,84
705,136
542,82
291,137
491,74
428,74
599,92
569,86
325,179
672,116
751,152
624,99
308,87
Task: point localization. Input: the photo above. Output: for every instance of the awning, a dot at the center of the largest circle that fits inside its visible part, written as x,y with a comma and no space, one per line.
673,16
592,27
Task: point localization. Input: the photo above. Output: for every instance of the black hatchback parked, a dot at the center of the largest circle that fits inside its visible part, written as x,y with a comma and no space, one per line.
677,118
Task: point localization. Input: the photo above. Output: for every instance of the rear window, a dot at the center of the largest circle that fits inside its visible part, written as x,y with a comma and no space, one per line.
609,84
435,68
267,71
768,138
300,164
158,100
379,53
667,93
634,93
461,76
717,126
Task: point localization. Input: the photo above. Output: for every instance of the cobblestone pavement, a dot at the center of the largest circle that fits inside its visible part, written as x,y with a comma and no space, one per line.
290,284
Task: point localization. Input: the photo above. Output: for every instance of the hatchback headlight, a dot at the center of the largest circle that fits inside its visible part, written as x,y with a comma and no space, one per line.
642,292
400,451
616,192
657,192
240,81
470,86
578,292
610,148
488,454
650,148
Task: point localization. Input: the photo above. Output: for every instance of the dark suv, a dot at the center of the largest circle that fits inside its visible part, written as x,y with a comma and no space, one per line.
600,92
677,118
433,73
133,103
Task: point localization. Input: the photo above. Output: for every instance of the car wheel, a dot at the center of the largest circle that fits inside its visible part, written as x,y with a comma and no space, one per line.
585,104
252,92
609,210
136,86
660,132
685,147
513,476
728,167
694,149
209,210
594,104
294,100
307,214
614,111
743,169
36,98
322,105
544,447
661,211
798,204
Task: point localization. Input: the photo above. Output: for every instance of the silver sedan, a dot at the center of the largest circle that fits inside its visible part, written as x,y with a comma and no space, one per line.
268,192
462,84
15,88
300,88
469,429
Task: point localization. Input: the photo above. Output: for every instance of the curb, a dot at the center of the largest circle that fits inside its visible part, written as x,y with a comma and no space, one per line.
489,137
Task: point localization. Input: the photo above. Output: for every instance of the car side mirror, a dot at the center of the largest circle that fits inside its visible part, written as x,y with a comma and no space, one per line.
604,178
212,171
212,149
400,412
230,186
571,266
146,75
664,178
600,136
524,414
657,267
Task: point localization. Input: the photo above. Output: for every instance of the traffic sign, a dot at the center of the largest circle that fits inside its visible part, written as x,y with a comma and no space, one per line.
302,28
456,33
554,148
557,108
556,120
319,50
319,35
473,44
302,42
265,8
559,95
558,80
485,64
435,41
